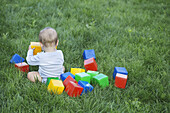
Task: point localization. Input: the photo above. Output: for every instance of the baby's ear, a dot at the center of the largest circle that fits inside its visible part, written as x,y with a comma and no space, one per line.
41,44
57,42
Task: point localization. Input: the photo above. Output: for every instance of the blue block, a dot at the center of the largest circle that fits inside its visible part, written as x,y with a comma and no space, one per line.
16,59
65,75
89,54
86,86
120,70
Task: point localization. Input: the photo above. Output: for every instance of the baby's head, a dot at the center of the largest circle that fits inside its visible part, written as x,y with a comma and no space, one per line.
48,37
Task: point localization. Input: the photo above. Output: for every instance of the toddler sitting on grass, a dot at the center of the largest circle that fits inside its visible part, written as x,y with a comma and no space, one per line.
50,61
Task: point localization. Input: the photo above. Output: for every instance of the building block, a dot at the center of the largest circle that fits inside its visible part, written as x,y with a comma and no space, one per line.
82,76
90,64
121,80
120,70
86,86
37,47
92,73
24,67
101,80
69,78
65,75
50,78
55,86
76,70
16,59
73,89
89,54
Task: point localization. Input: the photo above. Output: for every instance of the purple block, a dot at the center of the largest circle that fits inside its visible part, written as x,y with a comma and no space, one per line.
120,70
89,54
16,59
65,75
86,86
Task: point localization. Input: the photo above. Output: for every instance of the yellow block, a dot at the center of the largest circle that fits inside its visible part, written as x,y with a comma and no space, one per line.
77,70
55,86
37,47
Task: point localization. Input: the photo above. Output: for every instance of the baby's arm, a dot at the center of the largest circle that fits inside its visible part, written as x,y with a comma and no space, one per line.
32,59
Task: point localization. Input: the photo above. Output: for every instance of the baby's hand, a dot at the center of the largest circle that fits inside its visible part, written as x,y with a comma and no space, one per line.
42,48
30,47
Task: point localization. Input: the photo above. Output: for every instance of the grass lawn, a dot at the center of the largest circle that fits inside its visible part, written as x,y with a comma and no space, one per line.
134,34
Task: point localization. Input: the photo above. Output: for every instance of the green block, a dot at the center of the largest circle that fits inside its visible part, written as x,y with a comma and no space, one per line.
92,73
49,78
82,76
101,79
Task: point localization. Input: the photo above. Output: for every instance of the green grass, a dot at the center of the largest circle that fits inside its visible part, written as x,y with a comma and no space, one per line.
131,33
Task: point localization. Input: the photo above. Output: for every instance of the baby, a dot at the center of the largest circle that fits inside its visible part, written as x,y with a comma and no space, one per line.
50,61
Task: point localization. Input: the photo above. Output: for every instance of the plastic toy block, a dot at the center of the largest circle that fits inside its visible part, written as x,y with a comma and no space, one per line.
101,80
90,64
77,70
92,73
68,79
86,86
120,80
89,54
24,67
37,47
55,86
120,70
16,59
65,75
73,89
50,78
82,76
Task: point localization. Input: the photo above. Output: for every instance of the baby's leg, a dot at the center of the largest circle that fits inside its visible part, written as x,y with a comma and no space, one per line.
33,76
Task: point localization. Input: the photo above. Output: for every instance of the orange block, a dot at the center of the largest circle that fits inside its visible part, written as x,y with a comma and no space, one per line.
68,79
120,80
73,89
90,64
37,47
22,66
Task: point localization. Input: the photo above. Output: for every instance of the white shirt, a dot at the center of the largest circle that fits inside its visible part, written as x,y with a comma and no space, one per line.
50,63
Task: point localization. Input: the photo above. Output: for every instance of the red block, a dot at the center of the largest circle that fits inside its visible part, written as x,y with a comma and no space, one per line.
120,80
68,79
73,89
24,67
90,64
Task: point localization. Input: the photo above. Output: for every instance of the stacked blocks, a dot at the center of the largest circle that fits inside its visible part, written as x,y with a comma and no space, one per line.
73,89
92,73
65,75
50,78
68,79
55,86
120,80
77,70
16,59
120,70
89,54
101,79
37,47
82,76
86,86
24,67
90,64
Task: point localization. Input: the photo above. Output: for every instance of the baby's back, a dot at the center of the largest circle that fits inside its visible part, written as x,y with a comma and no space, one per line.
51,64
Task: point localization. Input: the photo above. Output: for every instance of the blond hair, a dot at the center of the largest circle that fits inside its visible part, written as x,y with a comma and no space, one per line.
48,37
